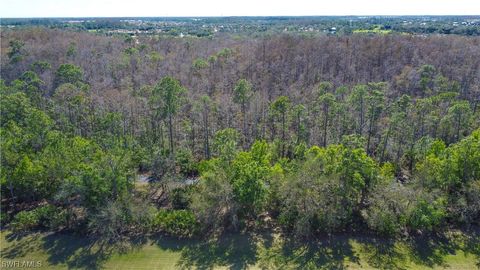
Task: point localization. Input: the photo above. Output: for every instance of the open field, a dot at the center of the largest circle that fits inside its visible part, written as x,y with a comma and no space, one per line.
62,251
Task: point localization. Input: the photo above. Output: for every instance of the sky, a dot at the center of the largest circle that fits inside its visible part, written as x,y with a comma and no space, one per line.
161,8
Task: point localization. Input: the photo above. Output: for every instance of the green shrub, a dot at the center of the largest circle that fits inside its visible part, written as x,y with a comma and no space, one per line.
116,219
199,64
185,161
388,208
110,222
140,216
176,222
47,216
51,217
140,158
427,216
24,221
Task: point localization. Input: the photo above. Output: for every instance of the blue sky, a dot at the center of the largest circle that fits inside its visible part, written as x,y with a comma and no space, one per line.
133,8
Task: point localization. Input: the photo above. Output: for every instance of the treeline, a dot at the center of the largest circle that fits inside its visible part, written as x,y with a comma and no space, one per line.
228,131
257,26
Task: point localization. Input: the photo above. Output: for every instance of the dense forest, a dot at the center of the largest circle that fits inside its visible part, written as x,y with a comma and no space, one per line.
117,135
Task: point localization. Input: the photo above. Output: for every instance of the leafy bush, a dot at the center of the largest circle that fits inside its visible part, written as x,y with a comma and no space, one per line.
176,222
464,207
250,170
24,221
388,208
185,161
119,218
313,203
110,222
50,217
140,158
47,216
213,202
140,216
325,192
426,216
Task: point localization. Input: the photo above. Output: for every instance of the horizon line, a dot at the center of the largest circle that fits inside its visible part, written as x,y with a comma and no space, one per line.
249,16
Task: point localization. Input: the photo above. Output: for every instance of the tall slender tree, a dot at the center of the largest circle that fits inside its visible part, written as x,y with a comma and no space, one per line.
327,102
279,109
375,105
206,105
242,94
170,92
357,101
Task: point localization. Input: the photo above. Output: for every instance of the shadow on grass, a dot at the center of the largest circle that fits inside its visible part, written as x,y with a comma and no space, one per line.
382,253
233,251
431,251
239,251
74,251
86,253
20,245
472,245
427,250
329,252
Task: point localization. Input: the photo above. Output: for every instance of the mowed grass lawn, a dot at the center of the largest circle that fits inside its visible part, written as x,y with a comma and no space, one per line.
237,251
